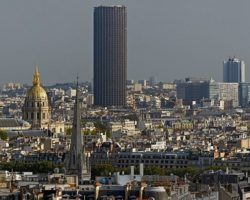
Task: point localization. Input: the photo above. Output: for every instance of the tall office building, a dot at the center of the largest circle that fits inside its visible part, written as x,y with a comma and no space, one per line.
234,71
110,55
244,94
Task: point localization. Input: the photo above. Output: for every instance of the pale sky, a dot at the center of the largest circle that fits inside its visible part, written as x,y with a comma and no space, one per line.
170,39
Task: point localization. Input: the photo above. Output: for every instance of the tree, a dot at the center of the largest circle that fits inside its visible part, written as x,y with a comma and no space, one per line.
35,167
3,135
102,170
68,131
154,170
102,128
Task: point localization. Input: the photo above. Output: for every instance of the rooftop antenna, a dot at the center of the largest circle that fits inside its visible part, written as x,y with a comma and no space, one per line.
77,78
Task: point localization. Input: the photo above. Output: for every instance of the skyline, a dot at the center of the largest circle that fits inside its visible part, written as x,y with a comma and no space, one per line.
169,40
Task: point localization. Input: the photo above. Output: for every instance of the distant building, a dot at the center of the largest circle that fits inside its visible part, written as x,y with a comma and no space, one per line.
229,92
167,86
71,92
36,108
152,80
199,90
90,100
130,82
143,82
110,55
11,86
192,91
233,71
137,87
244,94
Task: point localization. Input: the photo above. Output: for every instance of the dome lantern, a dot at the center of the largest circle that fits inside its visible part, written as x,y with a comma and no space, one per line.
36,108
36,79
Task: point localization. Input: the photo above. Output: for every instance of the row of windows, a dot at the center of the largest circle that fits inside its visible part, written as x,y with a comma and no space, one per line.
35,104
154,161
161,166
38,115
154,156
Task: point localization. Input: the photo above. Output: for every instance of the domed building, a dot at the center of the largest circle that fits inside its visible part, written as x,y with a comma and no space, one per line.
36,108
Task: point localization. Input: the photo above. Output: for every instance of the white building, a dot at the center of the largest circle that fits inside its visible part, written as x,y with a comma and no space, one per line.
71,92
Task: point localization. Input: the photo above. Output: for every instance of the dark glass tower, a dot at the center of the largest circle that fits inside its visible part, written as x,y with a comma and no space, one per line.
110,55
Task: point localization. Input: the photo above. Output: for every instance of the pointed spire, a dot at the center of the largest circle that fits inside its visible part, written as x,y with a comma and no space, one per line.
77,159
36,79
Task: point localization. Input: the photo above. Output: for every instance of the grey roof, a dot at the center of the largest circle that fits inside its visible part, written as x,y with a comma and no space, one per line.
28,133
6,122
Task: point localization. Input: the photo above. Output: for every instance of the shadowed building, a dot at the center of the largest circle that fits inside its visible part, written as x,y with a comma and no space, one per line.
110,55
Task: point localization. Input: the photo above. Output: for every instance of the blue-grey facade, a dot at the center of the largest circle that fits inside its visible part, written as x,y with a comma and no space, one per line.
233,71
110,55
244,94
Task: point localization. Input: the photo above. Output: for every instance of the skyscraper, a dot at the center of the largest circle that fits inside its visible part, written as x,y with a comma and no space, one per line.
234,71
110,55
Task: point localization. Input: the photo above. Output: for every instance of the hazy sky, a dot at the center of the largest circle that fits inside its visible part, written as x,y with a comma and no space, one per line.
170,39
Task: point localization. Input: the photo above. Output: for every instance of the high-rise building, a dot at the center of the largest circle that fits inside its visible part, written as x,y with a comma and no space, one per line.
244,94
110,55
234,71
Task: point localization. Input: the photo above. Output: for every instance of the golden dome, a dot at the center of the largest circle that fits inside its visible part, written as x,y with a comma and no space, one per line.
36,91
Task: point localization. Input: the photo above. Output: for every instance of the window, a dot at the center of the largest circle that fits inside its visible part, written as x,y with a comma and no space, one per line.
32,115
38,115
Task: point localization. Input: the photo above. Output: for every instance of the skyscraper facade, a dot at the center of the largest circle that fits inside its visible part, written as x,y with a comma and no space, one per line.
233,71
244,94
110,55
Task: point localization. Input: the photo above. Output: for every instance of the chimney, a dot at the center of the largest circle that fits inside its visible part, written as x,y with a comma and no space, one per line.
132,171
117,177
141,169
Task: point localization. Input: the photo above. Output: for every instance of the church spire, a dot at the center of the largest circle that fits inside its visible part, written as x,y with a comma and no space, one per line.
77,159
36,79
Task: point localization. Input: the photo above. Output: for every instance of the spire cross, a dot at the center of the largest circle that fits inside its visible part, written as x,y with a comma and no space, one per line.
36,79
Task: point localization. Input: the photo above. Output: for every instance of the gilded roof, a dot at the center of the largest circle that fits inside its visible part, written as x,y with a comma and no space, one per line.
37,91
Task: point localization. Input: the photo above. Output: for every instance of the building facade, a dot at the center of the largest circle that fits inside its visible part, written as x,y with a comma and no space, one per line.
193,90
233,71
229,92
110,55
201,90
244,94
